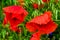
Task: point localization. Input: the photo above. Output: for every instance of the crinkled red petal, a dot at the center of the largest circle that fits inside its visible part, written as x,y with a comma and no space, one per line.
48,28
45,29
42,19
14,22
13,9
36,36
31,27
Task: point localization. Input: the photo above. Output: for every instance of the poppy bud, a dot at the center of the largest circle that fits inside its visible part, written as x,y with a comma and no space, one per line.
35,6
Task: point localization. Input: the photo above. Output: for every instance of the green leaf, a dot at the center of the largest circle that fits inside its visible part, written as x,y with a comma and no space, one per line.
3,33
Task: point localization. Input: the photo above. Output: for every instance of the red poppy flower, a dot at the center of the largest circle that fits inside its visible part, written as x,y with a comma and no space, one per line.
15,15
42,23
35,5
46,1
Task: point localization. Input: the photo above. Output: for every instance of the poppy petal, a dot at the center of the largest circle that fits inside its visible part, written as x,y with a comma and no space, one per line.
14,22
31,27
35,36
5,21
12,9
14,28
49,27
42,19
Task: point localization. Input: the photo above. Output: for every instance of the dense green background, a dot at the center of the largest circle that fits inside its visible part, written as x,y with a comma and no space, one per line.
6,34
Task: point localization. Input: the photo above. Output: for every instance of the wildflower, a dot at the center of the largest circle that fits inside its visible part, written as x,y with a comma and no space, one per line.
15,15
43,23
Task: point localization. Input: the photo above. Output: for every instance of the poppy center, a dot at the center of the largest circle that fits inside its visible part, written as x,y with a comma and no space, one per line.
15,19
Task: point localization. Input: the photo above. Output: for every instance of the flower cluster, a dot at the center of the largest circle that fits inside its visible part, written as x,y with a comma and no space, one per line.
39,25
